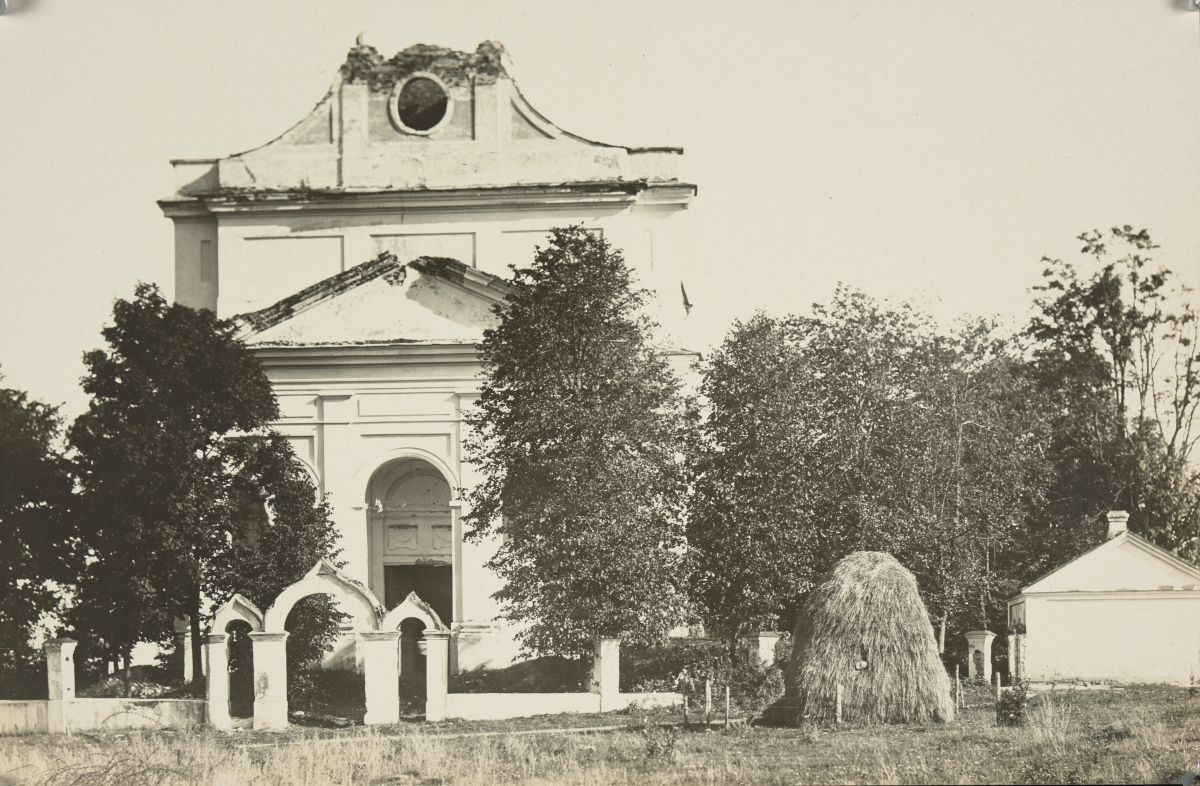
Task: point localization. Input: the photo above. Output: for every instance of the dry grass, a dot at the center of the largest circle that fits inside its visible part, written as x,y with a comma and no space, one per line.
1050,724
1148,735
865,628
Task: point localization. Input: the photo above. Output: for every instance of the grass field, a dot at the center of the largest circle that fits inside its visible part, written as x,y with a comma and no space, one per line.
1145,735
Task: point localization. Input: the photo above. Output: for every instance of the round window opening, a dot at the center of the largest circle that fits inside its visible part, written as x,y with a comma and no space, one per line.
422,104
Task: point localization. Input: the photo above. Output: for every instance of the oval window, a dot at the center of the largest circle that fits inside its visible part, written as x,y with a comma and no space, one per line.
422,104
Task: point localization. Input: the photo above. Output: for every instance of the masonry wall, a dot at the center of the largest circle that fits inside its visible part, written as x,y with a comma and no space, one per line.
1147,637
32,717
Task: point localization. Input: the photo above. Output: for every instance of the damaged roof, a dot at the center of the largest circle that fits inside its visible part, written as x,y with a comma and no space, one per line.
382,301
483,136
484,65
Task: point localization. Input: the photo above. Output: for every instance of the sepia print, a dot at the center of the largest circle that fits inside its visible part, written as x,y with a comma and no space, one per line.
599,393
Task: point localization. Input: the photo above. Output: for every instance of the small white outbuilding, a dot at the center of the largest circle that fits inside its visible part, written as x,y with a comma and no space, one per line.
1126,611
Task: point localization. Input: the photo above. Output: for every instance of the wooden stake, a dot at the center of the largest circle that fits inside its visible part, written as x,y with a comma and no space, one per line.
685,717
957,688
837,708
996,678
707,701
727,706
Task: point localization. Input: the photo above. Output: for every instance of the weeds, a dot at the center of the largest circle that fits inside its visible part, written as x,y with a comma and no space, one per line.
660,741
1143,735
1050,724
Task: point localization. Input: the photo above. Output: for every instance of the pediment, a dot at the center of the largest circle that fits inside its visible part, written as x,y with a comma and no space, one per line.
428,300
1125,563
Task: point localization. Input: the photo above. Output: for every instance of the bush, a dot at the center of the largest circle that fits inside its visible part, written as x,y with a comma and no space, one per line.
1013,707
145,682
670,665
661,741
540,675
683,665
313,625
22,673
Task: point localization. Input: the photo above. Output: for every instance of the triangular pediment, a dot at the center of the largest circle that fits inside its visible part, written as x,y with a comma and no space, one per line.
1125,563
428,300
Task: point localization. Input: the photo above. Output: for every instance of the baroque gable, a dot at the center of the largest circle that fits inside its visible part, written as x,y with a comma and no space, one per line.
428,118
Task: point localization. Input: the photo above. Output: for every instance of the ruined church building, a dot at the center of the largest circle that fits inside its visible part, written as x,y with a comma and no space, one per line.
435,157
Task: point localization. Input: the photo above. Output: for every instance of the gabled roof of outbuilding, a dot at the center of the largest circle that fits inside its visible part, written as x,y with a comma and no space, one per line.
1127,562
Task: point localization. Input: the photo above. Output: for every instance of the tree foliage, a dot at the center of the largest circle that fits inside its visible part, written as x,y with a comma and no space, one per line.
36,546
1114,351
171,454
860,427
578,436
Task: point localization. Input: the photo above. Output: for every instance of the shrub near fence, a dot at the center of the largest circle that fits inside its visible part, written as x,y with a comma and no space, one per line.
701,670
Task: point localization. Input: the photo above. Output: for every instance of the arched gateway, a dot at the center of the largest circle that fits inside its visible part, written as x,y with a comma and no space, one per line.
377,638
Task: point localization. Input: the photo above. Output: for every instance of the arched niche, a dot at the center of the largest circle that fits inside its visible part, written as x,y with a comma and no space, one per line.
325,579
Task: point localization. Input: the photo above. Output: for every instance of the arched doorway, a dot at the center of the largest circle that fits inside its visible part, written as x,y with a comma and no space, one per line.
322,681
241,669
411,534
230,688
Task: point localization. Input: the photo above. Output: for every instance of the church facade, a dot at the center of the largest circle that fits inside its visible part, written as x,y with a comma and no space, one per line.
362,252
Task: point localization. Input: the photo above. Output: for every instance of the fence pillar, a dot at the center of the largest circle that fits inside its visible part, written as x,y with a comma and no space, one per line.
762,644
183,645
270,680
60,683
381,675
979,654
437,673
1016,657
217,682
606,673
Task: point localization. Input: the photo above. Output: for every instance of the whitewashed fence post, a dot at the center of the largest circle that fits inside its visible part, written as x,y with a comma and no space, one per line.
437,673
60,684
270,680
606,673
217,683
381,675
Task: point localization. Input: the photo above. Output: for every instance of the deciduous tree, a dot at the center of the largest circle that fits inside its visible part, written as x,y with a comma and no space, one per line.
1115,353
173,447
578,436
859,427
36,547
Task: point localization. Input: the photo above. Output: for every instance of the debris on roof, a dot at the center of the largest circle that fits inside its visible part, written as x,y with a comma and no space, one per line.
484,65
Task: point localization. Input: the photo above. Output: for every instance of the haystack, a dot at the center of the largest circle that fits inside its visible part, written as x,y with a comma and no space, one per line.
865,627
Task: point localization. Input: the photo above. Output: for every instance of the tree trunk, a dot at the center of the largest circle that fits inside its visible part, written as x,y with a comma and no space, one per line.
127,675
942,634
197,645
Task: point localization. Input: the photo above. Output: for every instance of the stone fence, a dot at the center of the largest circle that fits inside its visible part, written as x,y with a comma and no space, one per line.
63,712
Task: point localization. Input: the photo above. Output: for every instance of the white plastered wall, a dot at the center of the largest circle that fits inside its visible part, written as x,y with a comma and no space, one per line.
1124,636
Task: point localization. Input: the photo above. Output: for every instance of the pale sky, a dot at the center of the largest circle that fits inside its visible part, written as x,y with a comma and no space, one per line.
929,149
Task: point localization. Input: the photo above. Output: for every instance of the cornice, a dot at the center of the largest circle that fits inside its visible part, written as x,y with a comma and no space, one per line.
483,198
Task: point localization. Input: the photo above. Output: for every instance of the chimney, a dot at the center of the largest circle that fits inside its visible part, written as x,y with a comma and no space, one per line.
1117,523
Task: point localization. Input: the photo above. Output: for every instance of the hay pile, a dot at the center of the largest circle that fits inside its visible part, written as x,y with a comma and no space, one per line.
865,627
